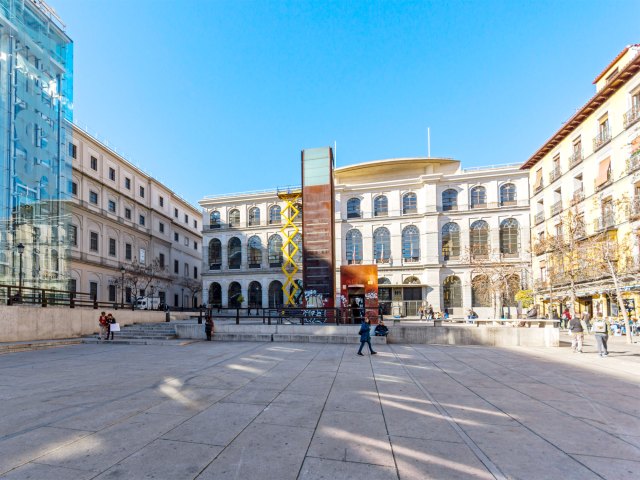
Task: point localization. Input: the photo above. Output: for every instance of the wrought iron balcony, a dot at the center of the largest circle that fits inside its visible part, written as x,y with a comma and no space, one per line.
578,196
604,222
602,139
539,187
632,116
575,158
539,218
556,208
634,210
555,174
633,162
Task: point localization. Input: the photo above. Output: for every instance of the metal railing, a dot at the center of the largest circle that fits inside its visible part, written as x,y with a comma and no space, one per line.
294,315
634,210
633,162
556,208
539,218
632,116
575,158
554,174
600,140
44,297
578,196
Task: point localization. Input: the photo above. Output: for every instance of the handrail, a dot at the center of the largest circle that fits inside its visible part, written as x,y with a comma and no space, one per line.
15,294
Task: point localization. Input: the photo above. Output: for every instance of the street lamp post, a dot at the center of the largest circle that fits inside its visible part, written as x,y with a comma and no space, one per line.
122,271
20,252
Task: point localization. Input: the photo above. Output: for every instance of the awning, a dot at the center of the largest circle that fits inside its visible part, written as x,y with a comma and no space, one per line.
603,171
538,181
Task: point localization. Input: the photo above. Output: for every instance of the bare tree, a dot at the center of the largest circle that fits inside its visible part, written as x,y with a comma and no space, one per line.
148,278
193,286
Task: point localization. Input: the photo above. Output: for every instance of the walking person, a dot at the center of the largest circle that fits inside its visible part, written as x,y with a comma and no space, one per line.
577,335
430,313
110,321
586,318
208,326
102,322
365,336
602,329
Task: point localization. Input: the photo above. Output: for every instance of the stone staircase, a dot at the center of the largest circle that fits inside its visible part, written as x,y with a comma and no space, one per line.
141,334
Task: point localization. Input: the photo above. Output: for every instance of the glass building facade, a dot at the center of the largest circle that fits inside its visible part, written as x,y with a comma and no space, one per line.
36,64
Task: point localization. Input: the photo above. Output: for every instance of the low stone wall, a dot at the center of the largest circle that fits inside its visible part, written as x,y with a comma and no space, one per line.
493,336
194,330
21,323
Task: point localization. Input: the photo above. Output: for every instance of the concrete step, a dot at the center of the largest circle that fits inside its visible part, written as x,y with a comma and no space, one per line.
133,341
297,338
37,345
146,337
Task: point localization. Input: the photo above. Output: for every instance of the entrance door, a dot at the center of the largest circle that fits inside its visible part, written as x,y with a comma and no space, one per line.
412,298
356,304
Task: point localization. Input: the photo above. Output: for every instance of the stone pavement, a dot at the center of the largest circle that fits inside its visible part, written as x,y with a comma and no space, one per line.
317,411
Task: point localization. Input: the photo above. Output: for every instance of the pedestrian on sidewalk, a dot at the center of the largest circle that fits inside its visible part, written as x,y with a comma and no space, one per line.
602,329
110,321
208,326
365,336
102,323
577,335
586,318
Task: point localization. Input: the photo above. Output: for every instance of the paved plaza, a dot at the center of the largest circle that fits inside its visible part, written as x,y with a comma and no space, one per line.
305,411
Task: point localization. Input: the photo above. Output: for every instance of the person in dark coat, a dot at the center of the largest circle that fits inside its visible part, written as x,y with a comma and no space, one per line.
365,336
381,330
208,326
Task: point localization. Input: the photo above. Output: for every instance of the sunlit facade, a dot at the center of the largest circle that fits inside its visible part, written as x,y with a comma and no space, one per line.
36,60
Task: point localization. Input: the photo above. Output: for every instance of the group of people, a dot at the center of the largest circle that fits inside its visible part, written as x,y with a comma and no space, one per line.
105,322
429,314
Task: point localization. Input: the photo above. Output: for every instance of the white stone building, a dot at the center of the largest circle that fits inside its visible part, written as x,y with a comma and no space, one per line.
120,215
416,218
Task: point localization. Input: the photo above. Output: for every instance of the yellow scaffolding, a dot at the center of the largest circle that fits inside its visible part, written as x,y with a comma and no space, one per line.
289,248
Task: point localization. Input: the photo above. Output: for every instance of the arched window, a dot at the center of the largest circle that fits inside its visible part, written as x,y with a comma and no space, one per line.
254,251
450,241
480,291
235,292
255,295
452,292
384,281
508,194
412,280
234,251
275,294
215,254
274,215
234,218
254,216
380,206
512,286
214,219
478,197
215,295
479,238
353,208
409,203
510,237
410,244
381,245
353,247
275,251
449,200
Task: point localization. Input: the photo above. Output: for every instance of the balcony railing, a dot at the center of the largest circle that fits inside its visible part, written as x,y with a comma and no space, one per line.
606,183
539,218
556,208
601,139
606,221
554,175
632,116
479,205
575,158
578,196
537,188
633,162
634,210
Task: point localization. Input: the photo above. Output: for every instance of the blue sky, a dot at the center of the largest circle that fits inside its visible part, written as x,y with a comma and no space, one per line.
220,96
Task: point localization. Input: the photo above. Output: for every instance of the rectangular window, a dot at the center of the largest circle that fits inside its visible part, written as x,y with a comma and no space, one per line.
176,266
186,269
186,218
186,241
127,213
161,201
161,227
94,163
73,150
73,235
142,192
141,220
195,224
112,174
93,290
112,206
161,260
175,212
73,188
127,183
127,294
93,241
127,251
112,247
176,237
195,272
143,256
195,245
73,285
93,197
112,293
